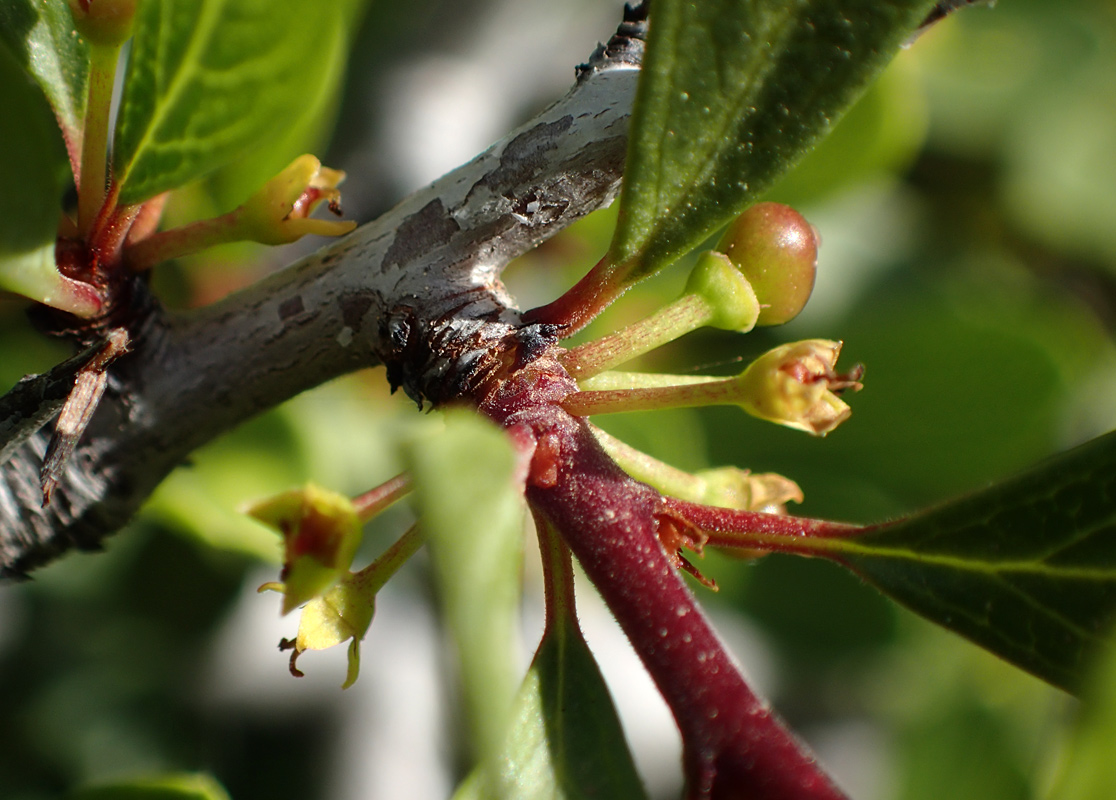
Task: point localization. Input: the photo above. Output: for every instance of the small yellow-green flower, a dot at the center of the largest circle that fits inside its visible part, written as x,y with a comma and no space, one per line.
341,614
321,533
280,211
796,385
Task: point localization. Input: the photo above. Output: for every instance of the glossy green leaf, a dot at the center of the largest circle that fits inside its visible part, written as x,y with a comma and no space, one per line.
40,34
193,786
305,131
207,81
565,740
731,96
1026,568
471,511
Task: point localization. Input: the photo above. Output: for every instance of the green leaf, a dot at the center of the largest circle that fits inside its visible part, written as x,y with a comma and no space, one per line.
565,740
41,36
1025,569
882,133
33,167
191,786
305,131
732,94
208,81
471,511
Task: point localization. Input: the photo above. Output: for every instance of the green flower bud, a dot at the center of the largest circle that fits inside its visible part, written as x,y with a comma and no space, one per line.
776,249
732,304
727,487
731,487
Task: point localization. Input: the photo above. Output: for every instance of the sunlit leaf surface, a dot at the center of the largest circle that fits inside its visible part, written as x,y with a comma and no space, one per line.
731,96
40,35
209,80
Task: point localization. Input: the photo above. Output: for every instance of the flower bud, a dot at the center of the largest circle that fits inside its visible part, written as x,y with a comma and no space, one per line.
776,249
321,532
796,385
279,212
731,302
731,487
107,23
716,294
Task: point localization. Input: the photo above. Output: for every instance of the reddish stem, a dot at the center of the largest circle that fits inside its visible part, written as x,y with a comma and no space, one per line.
734,746
756,530
372,502
109,239
177,242
151,212
558,579
582,303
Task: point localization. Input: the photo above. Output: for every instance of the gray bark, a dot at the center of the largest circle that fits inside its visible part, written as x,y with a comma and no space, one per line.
417,289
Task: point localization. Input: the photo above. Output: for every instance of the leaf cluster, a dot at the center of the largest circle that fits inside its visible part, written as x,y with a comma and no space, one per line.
734,95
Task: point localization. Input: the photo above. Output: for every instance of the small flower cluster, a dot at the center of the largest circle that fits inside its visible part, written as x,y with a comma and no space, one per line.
761,273
321,532
100,249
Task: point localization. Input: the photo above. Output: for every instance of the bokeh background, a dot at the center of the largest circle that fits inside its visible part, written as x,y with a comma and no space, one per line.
967,209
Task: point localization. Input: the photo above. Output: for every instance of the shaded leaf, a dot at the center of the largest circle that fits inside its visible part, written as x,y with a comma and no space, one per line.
209,80
1025,569
565,740
196,786
32,179
471,512
40,35
731,96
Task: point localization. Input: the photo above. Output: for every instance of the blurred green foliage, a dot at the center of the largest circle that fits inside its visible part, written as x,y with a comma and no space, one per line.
969,246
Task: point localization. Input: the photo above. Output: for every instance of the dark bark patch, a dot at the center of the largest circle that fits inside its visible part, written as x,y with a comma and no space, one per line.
353,308
525,156
291,308
421,233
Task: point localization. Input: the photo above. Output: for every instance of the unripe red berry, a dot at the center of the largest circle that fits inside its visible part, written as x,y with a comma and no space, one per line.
776,249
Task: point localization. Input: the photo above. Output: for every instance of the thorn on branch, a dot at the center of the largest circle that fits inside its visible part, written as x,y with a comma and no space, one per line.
78,410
